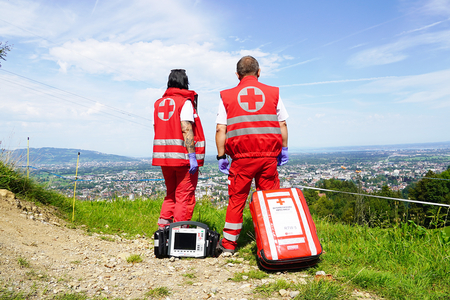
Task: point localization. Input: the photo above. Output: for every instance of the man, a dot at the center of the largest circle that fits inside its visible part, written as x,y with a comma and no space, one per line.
178,147
251,128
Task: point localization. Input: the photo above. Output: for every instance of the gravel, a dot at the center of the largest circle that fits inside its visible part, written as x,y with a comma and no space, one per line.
40,257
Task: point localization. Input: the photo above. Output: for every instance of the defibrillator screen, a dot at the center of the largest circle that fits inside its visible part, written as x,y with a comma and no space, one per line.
185,241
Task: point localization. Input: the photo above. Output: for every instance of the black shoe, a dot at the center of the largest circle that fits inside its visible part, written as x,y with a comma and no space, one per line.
221,249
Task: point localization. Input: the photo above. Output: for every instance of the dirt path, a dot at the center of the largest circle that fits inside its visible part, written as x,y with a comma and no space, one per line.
41,258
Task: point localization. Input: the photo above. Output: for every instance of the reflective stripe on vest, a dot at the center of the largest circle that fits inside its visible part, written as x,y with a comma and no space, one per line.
176,155
253,130
175,142
251,118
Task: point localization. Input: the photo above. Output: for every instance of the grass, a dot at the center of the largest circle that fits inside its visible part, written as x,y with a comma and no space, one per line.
23,263
190,275
321,289
252,274
33,275
134,258
121,216
141,216
107,238
158,292
5,294
248,253
16,181
70,296
403,262
271,288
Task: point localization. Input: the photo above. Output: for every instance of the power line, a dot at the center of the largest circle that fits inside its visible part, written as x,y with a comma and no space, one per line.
301,187
373,196
76,95
107,66
88,99
51,42
73,102
435,178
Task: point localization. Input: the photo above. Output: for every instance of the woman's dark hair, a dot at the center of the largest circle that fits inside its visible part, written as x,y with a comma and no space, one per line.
178,79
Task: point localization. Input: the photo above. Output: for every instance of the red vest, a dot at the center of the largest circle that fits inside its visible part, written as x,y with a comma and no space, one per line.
169,148
253,129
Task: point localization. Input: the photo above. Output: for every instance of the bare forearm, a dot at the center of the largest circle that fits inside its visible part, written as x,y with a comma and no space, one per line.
221,136
188,136
284,133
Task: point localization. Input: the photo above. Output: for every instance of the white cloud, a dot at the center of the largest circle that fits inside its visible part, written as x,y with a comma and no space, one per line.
94,109
138,40
396,51
357,46
421,28
424,88
152,61
337,81
438,7
297,64
18,12
130,21
394,84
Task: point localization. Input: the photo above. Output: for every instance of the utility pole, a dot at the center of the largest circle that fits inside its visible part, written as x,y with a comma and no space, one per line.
359,205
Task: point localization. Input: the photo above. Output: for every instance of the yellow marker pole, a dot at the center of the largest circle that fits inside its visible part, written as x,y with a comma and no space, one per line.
75,188
28,158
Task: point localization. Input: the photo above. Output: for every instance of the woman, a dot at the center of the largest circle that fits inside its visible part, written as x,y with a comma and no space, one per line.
178,147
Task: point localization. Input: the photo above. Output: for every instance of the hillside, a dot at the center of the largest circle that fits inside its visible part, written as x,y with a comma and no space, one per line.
61,156
41,258
48,156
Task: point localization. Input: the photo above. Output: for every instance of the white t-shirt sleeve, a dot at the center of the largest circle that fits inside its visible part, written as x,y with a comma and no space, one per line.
187,112
281,111
221,114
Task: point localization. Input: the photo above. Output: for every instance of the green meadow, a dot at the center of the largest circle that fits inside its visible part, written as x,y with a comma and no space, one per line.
406,261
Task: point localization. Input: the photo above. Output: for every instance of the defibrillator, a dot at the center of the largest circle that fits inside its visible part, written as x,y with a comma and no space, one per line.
185,239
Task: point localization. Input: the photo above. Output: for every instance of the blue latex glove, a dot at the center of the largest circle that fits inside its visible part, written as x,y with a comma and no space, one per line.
283,157
193,163
224,166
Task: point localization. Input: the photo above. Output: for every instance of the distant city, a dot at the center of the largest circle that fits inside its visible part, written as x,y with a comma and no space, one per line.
102,180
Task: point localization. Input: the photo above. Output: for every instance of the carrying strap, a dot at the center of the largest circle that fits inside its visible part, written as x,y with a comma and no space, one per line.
213,239
161,237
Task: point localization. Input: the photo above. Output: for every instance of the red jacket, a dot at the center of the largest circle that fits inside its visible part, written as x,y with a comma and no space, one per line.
168,146
253,129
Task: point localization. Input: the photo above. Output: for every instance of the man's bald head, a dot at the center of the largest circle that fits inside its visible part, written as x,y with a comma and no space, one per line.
246,66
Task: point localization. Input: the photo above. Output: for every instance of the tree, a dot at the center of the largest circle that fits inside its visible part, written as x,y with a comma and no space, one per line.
3,50
433,188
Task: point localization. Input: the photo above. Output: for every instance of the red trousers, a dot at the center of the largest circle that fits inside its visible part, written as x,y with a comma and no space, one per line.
179,202
242,172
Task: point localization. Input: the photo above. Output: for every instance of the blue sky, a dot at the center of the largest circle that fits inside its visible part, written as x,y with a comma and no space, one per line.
84,74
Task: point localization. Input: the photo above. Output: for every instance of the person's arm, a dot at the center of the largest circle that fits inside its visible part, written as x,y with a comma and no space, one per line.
284,133
283,157
221,136
188,136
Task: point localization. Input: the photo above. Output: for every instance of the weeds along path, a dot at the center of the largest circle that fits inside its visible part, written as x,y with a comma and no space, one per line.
40,258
